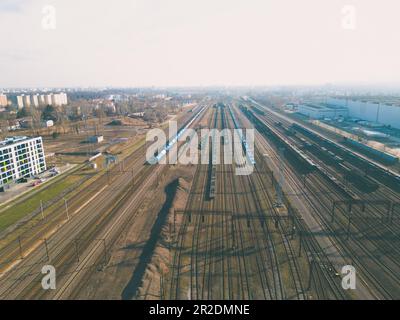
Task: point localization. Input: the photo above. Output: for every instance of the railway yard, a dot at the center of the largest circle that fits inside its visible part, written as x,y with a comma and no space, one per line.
310,206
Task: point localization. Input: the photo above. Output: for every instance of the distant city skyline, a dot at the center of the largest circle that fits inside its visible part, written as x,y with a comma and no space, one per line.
144,43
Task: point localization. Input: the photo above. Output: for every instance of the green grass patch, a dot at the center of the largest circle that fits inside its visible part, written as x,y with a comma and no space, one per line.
18,211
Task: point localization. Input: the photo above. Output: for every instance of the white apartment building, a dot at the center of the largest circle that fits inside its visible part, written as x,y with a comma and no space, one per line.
35,100
3,100
47,99
55,100
27,101
59,99
64,98
20,102
21,157
42,100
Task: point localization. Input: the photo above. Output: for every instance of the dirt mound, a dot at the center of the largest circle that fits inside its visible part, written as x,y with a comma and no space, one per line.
126,121
161,260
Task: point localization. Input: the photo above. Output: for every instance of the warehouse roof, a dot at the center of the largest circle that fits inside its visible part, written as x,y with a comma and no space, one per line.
387,100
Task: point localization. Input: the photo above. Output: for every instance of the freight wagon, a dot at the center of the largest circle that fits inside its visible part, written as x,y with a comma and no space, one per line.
373,153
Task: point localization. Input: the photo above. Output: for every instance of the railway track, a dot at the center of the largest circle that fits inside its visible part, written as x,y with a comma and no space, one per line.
62,253
11,253
376,237
257,183
175,273
330,195
230,244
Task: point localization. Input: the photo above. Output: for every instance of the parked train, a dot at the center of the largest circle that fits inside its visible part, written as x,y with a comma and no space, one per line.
383,175
373,153
160,155
297,157
246,149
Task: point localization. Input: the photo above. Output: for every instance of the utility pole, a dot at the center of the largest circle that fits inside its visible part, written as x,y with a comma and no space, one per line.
170,235
174,220
77,250
272,179
300,242
66,208
349,222
105,252
47,249
333,211
233,234
41,208
392,212
311,271
281,179
20,247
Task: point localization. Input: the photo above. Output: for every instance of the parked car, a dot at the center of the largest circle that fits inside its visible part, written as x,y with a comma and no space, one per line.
35,183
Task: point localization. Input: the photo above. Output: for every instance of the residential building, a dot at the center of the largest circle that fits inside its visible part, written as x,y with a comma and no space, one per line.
3,100
63,98
59,99
35,100
21,157
27,101
48,99
20,102
42,100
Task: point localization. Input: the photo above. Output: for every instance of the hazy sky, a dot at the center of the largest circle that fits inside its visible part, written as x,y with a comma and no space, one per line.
198,42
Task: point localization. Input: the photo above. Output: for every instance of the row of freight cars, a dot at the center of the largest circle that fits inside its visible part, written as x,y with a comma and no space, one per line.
382,157
358,179
297,157
386,177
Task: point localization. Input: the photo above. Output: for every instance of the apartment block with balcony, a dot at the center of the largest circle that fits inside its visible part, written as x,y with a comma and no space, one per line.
21,157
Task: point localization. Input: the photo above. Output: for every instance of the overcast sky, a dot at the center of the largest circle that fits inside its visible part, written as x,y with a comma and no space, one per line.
198,42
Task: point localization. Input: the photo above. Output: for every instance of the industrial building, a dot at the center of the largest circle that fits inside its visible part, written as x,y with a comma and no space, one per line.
95,139
376,110
21,157
48,123
322,111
